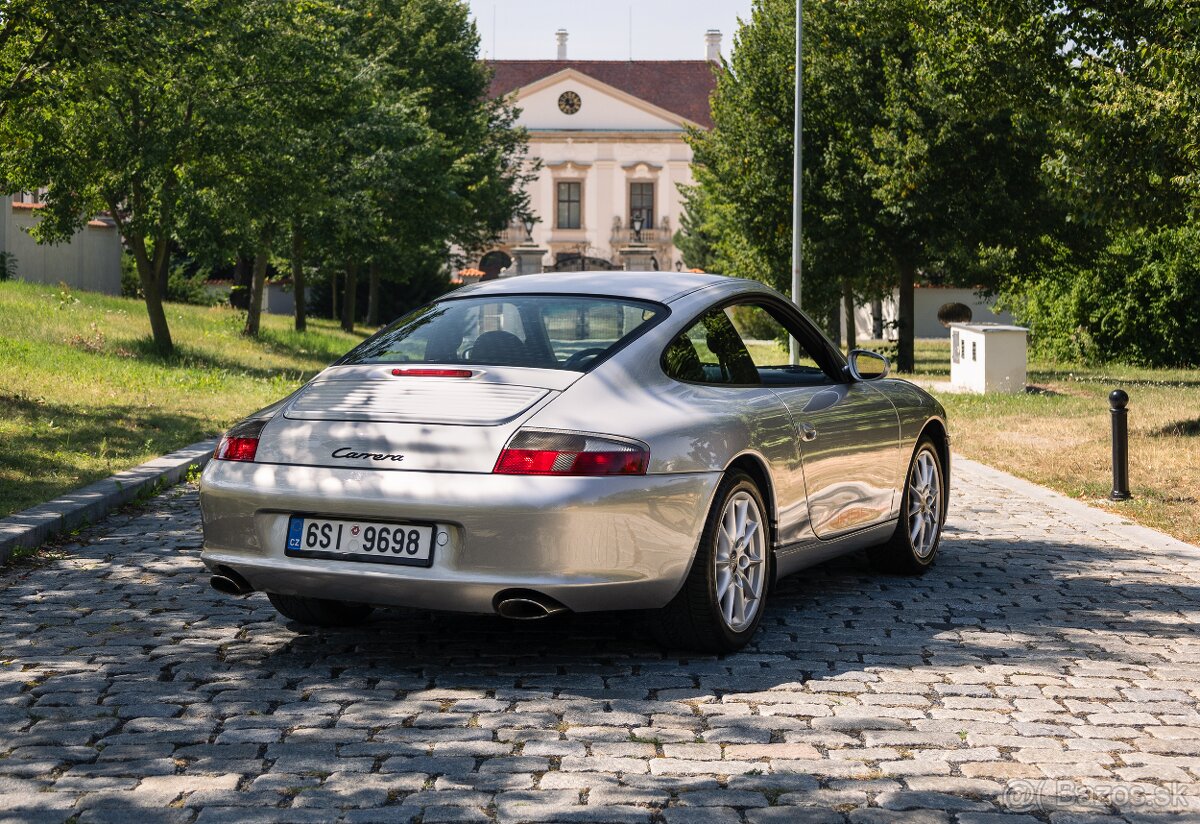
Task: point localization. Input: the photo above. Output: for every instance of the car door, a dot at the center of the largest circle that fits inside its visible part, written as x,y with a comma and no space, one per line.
710,357
848,431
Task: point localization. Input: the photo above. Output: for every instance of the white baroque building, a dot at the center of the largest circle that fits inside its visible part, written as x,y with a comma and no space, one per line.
609,135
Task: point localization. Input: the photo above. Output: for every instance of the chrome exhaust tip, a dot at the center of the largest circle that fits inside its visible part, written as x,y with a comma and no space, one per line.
230,583
527,606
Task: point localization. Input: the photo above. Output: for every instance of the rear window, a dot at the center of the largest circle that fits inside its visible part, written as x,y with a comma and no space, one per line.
544,332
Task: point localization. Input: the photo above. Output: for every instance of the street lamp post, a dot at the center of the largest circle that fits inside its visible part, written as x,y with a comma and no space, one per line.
529,222
638,221
797,176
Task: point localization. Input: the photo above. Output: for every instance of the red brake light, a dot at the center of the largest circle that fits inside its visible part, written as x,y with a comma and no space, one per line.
236,449
567,453
432,373
240,443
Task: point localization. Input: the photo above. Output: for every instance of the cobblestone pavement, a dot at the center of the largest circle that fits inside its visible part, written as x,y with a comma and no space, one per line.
1043,671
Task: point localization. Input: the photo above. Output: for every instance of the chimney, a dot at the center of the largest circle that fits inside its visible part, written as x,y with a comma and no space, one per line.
712,44
561,34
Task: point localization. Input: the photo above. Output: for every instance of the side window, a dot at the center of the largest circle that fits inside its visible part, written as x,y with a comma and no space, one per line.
766,342
711,351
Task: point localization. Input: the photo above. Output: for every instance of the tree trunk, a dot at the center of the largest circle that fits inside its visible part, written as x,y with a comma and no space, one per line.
877,319
154,305
298,280
162,260
848,312
834,325
257,282
333,284
904,354
373,295
243,276
349,296
243,270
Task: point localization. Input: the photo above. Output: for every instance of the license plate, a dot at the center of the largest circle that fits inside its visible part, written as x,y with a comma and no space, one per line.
371,541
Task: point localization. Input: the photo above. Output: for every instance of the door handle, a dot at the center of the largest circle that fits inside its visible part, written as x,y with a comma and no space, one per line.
808,432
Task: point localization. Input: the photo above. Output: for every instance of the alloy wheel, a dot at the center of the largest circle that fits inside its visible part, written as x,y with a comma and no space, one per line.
924,504
740,561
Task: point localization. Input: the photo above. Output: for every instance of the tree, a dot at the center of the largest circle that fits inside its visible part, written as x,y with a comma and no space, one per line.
349,131
117,129
471,184
1128,135
264,157
1125,164
428,161
919,158
38,38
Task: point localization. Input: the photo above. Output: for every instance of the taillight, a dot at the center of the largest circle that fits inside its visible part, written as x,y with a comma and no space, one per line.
240,443
534,452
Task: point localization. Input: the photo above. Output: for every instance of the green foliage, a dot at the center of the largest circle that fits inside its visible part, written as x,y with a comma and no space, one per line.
131,285
185,283
361,128
1128,133
922,147
1135,304
700,231
405,285
755,324
188,287
1125,162
422,159
8,266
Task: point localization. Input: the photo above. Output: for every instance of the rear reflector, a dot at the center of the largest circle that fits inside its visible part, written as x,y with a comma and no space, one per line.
240,443
533,452
432,373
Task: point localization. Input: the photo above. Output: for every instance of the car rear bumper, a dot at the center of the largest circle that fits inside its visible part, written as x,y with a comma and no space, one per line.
590,543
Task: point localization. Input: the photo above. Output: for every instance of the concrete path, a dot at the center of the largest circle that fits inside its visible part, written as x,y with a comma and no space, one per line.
1048,669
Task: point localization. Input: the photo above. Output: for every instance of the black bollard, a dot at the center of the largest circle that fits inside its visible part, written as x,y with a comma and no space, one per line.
1118,399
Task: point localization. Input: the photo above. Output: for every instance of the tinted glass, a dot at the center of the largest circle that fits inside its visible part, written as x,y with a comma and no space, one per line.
544,332
741,345
766,340
711,351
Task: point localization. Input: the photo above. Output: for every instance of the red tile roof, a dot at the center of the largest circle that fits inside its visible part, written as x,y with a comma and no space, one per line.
679,86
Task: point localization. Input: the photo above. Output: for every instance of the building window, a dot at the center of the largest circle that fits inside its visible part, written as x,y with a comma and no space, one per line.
641,204
568,205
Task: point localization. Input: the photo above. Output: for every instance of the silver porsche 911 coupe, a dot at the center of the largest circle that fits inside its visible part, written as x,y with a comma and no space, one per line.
592,441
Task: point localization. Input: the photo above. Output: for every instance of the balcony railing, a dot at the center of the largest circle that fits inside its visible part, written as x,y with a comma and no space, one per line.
650,237
512,236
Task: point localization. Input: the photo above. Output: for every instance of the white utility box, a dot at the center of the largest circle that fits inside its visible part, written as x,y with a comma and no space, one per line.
987,357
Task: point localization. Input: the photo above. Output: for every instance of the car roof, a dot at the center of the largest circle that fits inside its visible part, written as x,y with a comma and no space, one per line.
662,287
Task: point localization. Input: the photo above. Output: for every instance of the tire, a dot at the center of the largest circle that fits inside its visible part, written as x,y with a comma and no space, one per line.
319,612
913,547
698,617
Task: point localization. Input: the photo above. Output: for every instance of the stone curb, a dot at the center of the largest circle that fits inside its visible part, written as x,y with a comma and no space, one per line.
1113,523
30,528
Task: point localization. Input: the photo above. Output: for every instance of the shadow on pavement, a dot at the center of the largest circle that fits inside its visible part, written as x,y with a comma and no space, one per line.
128,665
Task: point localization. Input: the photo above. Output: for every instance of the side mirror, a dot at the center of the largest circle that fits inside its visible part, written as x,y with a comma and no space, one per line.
867,366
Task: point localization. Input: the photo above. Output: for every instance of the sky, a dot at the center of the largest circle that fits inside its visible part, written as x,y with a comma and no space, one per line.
600,29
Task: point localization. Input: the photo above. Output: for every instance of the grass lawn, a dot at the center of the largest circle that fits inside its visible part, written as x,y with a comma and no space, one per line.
83,395
1058,434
